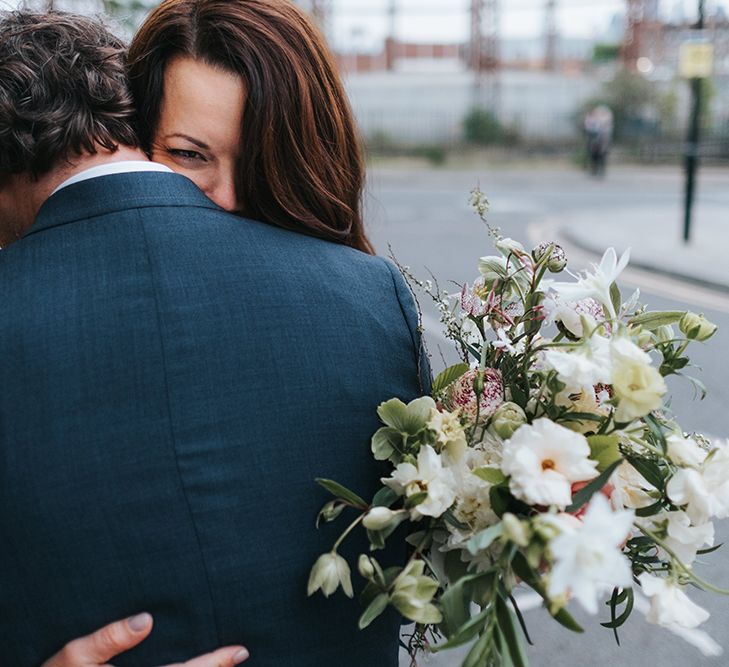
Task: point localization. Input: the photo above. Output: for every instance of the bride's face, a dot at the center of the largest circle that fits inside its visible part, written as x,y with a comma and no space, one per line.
199,129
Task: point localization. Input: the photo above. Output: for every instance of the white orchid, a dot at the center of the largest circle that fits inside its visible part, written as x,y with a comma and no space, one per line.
572,314
429,476
582,367
543,460
685,539
670,606
588,560
597,284
685,452
329,572
704,492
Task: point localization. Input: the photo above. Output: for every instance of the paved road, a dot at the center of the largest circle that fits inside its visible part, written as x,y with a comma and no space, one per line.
424,217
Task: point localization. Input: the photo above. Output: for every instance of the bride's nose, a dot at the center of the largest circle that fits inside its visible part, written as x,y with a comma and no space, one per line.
224,195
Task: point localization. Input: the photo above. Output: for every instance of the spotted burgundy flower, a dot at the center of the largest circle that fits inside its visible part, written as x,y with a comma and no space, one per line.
462,394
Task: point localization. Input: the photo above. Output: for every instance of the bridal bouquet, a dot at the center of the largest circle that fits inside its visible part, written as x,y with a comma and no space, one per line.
547,460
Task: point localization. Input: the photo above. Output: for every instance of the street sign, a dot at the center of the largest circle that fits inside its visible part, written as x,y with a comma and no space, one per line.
696,59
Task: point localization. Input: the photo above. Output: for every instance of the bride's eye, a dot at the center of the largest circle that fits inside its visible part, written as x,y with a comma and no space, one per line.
186,155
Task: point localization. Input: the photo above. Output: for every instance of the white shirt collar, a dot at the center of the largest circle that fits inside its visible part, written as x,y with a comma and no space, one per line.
112,168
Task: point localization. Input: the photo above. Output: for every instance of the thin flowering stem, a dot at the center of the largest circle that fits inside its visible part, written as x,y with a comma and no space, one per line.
686,569
351,527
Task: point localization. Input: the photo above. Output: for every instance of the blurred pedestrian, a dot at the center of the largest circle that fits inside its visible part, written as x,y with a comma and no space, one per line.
599,131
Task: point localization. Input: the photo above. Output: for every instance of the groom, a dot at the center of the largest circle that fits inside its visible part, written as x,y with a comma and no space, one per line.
174,378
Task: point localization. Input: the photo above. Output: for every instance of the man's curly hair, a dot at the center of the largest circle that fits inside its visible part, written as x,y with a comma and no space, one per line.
63,91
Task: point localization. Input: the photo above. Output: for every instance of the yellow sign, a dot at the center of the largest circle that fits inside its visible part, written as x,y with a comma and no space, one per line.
696,59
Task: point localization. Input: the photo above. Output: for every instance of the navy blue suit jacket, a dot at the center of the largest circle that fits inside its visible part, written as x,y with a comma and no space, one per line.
173,380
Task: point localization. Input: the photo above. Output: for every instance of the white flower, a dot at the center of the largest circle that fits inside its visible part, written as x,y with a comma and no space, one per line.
670,606
450,436
638,387
430,476
328,572
704,492
583,367
588,560
685,451
631,488
684,539
379,518
571,313
596,284
543,460
504,343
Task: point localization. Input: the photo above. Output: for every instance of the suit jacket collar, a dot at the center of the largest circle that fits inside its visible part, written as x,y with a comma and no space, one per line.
115,193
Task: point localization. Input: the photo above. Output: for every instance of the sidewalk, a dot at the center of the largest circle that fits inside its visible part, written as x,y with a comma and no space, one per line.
655,238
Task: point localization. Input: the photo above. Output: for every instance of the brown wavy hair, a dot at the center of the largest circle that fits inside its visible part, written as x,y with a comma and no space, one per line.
301,163
63,91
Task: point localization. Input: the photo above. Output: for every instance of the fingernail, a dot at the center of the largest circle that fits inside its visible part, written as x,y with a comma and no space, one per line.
140,622
240,656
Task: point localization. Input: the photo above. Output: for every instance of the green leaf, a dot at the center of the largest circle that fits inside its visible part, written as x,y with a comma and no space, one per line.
649,470
465,633
703,552
449,518
479,651
651,510
490,475
455,603
604,449
448,377
385,497
615,297
385,442
615,623
523,570
415,499
565,619
454,566
340,491
653,321
510,634
377,538
376,607
408,419
582,497
485,538
394,413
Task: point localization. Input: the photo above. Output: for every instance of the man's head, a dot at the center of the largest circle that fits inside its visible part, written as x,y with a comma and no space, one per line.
63,96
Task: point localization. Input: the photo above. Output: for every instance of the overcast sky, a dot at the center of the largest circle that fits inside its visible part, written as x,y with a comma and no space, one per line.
365,21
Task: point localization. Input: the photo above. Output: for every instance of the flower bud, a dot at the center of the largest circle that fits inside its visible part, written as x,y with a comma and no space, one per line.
514,530
329,571
696,327
331,510
557,260
507,419
644,340
379,518
665,333
365,567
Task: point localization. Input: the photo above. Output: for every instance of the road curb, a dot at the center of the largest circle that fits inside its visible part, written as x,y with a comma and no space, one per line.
579,241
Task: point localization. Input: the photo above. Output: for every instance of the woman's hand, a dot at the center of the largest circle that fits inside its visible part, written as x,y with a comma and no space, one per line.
96,649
